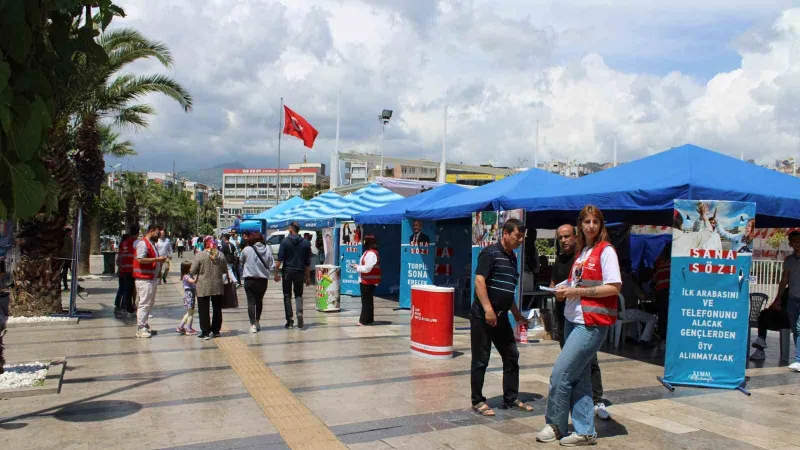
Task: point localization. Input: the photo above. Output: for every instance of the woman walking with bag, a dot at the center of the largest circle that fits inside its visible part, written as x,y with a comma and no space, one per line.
208,269
591,294
257,261
369,276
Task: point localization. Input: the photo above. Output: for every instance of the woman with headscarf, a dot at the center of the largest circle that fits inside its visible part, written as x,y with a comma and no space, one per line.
209,269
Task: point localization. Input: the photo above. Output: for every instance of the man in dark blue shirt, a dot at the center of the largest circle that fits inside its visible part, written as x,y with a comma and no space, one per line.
294,258
496,280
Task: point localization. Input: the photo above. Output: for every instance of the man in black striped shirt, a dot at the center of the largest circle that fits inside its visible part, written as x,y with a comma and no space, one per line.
496,279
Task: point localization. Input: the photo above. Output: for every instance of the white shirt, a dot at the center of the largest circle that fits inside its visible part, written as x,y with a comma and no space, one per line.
164,247
369,259
609,263
179,242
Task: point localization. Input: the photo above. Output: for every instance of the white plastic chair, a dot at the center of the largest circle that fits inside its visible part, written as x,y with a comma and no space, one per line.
620,324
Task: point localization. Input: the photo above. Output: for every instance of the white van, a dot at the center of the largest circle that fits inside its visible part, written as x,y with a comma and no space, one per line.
274,240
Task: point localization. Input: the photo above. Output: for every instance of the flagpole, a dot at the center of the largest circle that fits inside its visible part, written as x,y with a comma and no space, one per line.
334,172
443,164
278,177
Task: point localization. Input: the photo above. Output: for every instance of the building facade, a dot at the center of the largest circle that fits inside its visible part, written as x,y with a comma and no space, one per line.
252,191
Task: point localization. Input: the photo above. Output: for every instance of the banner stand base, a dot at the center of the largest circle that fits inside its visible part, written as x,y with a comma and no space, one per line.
82,314
666,385
741,388
401,309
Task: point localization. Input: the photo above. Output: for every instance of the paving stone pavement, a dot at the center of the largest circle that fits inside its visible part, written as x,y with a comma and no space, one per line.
334,384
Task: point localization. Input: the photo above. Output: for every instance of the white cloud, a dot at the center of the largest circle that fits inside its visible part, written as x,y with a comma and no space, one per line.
499,65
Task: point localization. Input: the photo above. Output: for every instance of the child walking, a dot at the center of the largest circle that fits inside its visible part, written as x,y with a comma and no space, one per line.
189,298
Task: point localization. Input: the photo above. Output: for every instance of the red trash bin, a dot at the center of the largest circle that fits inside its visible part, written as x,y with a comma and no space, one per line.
432,321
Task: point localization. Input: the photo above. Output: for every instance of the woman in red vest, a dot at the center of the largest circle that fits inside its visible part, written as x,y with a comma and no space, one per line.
369,276
591,294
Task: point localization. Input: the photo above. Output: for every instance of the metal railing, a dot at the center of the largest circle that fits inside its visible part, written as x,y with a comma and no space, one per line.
766,275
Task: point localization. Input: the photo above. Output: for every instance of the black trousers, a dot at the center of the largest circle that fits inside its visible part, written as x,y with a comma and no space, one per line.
215,324
125,292
482,336
597,376
367,304
662,300
64,270
180,252
293,281
255,288
770,319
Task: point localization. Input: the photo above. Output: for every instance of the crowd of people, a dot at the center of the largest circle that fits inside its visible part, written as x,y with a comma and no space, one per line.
209,280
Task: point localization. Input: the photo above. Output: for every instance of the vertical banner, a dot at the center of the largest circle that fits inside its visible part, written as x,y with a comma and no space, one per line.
709,305
350,253
417,255
328,247
487,229
327,288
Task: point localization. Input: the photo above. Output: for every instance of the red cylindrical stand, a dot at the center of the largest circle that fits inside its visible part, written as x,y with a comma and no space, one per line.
432,321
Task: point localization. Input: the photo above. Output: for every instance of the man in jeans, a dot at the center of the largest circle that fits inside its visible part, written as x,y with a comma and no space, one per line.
791,281
294,263
496,279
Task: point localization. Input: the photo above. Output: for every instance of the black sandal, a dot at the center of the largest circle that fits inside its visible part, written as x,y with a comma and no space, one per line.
520,405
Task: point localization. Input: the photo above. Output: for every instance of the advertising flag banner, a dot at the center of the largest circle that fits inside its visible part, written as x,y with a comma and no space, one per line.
418,251
327,288
709,305
350,252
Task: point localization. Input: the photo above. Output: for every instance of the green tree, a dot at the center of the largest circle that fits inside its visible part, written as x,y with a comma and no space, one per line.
111,211
308,192
41,47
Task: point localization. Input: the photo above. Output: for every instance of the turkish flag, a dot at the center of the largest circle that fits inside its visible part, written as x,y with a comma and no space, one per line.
297,126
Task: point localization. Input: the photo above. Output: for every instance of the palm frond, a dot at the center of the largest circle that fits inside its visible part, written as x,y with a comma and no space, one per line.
132,117
125,45
128,88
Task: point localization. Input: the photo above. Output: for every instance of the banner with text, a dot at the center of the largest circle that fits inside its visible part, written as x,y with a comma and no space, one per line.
349,253
418,251
487,229
709,305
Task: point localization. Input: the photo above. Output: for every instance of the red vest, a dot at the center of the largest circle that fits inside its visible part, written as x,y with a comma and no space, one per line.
372,277
596,311
145,271
126,253
662,274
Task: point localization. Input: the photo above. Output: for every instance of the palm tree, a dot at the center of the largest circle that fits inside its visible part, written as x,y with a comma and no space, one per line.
74,155
114,96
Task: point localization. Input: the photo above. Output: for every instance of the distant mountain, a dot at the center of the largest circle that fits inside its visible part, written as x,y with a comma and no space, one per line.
211,176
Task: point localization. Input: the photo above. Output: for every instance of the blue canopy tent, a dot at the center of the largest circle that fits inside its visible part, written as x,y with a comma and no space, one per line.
394,213
643,191
285,218
486,197
259,221
326,213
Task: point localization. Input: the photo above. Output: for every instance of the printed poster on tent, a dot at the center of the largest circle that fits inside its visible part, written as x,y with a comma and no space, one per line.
487,229
709,306
418,251
350,253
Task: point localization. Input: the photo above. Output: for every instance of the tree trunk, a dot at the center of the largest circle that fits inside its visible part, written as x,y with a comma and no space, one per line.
86,243
2,360
96,228
37,276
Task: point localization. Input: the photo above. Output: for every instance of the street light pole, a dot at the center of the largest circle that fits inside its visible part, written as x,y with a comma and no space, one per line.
386,114
614,138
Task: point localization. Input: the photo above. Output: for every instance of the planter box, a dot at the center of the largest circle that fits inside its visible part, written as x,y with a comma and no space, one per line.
52,382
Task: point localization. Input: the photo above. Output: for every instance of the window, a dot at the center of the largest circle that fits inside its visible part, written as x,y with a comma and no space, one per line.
241,180
275,239
262,180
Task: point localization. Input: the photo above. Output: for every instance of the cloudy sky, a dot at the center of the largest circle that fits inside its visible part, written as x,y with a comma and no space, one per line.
722,74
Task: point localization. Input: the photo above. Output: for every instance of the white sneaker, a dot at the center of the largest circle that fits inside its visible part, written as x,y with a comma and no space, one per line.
576,440
759,343
143,333
795,366
758,355
253,329
601,412
548,434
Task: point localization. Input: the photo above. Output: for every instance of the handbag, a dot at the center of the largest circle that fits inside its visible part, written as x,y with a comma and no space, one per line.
230,299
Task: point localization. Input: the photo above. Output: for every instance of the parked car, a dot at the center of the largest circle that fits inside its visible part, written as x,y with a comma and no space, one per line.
274,240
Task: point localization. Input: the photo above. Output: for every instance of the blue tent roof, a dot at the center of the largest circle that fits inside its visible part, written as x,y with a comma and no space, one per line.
344,208
285,218
487,196
643,191
394,212
254,223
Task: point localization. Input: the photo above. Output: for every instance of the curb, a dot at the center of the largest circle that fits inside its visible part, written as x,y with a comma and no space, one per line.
52,382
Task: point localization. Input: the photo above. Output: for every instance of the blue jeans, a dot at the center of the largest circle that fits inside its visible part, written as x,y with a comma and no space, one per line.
571,380
793,310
